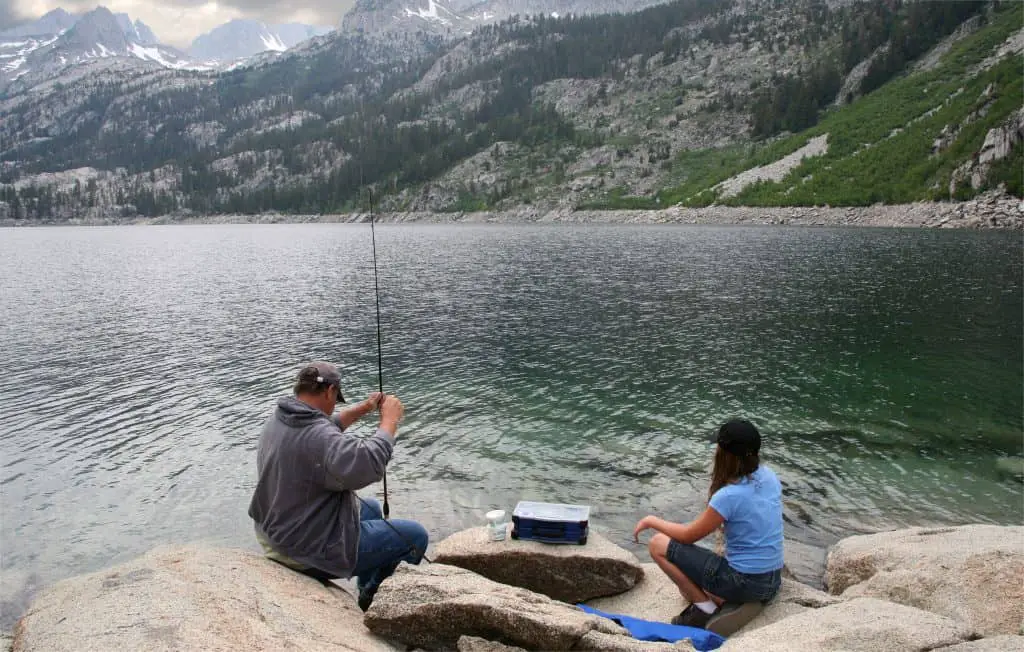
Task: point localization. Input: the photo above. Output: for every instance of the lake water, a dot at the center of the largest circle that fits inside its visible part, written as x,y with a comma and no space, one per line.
562,363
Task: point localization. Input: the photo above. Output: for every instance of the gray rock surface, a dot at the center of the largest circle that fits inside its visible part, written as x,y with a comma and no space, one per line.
775,171
477,644
803,595
772,613
793,598
654,597
973,573
863,624
433,605
194,598
1004,643
806,563
570,573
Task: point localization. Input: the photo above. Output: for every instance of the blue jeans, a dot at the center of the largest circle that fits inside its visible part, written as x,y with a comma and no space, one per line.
714,574
381,548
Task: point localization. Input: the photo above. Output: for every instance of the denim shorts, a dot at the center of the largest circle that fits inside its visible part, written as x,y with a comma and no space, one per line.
714,574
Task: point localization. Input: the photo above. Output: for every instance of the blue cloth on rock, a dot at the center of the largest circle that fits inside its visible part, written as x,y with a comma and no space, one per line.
648,630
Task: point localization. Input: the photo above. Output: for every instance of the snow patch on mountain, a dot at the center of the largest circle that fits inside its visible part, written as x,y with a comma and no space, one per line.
11,66
14,54
432,12
157,56
272,42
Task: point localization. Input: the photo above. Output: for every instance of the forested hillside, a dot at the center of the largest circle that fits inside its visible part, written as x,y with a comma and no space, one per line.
645,109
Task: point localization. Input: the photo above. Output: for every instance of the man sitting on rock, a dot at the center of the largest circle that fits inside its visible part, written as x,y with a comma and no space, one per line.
307,514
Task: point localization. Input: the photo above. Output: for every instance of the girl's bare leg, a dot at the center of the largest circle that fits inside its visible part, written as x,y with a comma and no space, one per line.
658,548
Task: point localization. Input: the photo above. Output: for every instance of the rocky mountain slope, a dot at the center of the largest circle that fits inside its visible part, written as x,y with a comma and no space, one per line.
457,18
645,110
239,39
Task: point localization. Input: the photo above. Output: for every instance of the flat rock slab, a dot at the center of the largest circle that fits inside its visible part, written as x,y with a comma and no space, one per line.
477,644
973,573
806,563
859,625
800,594
194,598
655,597
570,573
772,613
793,598
433,606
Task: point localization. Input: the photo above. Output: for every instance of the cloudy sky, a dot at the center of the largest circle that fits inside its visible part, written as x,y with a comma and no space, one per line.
177,22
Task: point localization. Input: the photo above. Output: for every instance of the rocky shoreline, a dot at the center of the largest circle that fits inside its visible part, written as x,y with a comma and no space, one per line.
989,211
957,589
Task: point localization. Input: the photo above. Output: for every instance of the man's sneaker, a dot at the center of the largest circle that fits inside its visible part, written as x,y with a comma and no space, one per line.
365,599
692,616
732,616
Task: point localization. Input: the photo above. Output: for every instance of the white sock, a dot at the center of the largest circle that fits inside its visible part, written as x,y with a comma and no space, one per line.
707,606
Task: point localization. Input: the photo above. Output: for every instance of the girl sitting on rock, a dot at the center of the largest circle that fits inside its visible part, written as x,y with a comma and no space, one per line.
745,497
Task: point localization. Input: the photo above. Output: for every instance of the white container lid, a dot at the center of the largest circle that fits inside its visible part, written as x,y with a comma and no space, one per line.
552,511
496,515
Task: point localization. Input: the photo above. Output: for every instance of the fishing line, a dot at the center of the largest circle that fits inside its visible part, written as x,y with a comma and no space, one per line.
380,357
376,293
385,508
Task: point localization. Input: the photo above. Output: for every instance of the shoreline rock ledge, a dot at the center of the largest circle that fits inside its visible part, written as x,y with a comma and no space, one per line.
194,598
956,589
972,573
569,573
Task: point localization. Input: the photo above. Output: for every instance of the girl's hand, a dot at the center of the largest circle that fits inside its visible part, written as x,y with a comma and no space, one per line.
642,524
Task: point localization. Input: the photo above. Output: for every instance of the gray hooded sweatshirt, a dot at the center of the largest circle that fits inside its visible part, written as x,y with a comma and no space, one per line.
305,503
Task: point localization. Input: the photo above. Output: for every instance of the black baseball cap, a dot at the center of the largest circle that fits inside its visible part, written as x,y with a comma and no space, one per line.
322,373
739,437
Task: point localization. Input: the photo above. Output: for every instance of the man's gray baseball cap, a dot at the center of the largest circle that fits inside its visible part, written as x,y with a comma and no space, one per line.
321,374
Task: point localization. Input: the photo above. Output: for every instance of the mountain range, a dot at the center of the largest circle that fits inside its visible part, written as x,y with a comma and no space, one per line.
753,102
57,39
239,39
43,47
47,46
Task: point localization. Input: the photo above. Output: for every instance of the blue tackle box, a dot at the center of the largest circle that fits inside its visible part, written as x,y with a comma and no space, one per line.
550,522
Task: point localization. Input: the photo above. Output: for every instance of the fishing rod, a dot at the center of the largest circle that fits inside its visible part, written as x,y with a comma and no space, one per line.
380,356
385,508
376,293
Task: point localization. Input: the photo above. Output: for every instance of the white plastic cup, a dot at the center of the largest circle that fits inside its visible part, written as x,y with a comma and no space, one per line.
496,524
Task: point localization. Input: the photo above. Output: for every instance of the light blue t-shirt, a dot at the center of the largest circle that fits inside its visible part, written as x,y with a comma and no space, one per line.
752,509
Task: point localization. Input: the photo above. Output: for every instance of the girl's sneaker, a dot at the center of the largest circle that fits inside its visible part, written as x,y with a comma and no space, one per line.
693,616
